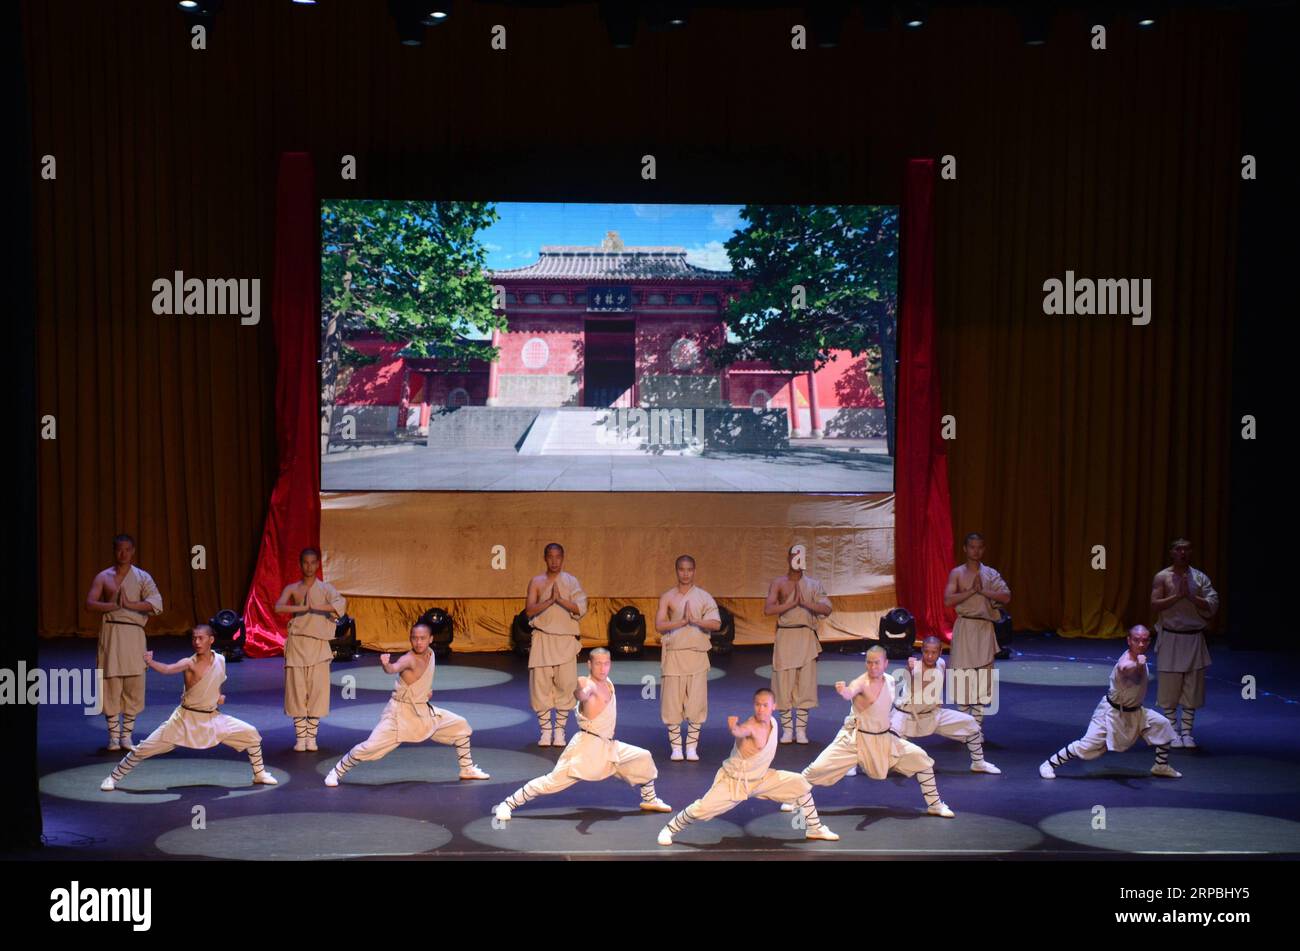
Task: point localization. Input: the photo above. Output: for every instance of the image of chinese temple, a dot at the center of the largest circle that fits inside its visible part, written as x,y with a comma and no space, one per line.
604,326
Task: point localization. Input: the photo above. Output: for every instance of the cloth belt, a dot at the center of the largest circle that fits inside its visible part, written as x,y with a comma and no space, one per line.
197,710
1174,630
131,623
1125,709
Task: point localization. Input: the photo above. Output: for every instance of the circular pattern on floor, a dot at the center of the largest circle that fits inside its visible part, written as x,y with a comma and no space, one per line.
1075,714
262,715
1056,673
436,764
618,829
1203,773
903,830
351,715
447,676
298,836
160,779
1164,829
632,673
828,671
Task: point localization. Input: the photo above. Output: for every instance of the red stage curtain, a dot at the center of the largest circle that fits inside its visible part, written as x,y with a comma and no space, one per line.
923,519
293,520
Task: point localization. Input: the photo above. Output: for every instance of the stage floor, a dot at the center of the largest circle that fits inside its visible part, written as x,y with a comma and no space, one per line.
1238,796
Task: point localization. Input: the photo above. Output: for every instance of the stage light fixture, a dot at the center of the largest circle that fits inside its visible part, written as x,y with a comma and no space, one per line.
443,628
228,635
826,21
344,643
626,631
409,16
1034,24
620,23
200,8
436,13
521,635
667,16
305,3
897,633
914,15
722,639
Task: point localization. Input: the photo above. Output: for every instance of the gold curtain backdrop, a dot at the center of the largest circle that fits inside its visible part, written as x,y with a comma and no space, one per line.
1072,432
396,554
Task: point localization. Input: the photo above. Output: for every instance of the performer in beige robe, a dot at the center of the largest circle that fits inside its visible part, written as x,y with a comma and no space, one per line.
126,596
1184,601
870,744
685,617
919,710
409,717
316,606
556,603
1120,720
198,723
748,774
800,603
593,754
975,590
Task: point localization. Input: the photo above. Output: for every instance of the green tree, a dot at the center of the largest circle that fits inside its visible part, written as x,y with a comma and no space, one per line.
845,259
413,271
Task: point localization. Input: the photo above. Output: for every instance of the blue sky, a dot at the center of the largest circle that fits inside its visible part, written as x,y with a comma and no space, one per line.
524,227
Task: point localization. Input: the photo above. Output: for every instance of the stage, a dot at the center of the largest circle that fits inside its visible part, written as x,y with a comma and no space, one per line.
1237,798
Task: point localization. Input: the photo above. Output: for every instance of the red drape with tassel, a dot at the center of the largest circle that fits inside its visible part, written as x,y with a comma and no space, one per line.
923,516
293,519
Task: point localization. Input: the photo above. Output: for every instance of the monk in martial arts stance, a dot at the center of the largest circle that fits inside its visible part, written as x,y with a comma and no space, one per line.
593,754
869,743
1184,601
409,717
800,603
685,617
748,773
1120,719
198,723
919,710
974,590
315,605
556,603
126,595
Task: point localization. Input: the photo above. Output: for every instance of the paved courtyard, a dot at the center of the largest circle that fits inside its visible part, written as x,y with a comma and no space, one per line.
803,468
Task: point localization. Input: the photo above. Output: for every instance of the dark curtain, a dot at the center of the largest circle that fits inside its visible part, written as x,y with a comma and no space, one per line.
1072,432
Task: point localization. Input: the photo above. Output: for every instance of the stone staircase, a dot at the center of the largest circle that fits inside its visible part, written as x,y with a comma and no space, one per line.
589,432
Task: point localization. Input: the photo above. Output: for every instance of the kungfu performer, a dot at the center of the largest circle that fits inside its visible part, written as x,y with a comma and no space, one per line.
748,774
316,605
1120,719
919,712
198,723
409,717
977,593
800,603
593,754
868,742
556,603
127,596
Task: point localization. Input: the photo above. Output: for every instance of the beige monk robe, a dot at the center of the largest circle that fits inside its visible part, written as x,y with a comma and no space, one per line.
974,643
121,647
1180,638
593,754
796,629
868,742
685,651
198,723
310,634
408,715
1121,720
556,635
